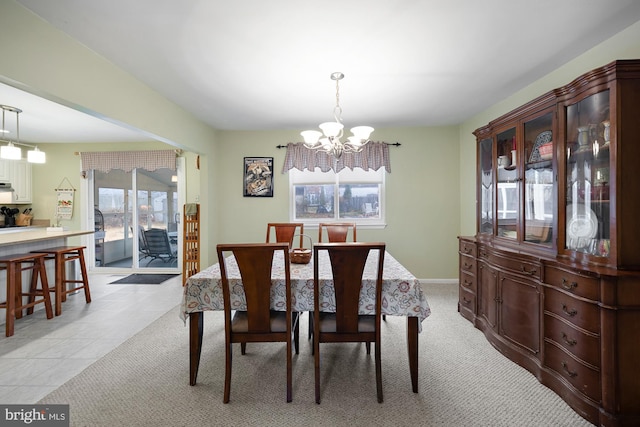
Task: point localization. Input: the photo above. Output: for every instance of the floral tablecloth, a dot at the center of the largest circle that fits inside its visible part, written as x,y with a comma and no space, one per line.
401,292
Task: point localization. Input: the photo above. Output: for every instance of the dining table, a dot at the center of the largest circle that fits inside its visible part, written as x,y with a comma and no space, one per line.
402,295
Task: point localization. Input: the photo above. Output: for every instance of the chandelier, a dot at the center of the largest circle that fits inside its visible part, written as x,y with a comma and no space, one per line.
10,151
329,139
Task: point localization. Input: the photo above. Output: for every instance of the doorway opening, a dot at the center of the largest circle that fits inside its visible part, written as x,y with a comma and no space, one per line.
136,218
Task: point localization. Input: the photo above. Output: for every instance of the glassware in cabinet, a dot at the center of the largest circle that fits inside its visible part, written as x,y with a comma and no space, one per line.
486,196
587,169
539,193
507,184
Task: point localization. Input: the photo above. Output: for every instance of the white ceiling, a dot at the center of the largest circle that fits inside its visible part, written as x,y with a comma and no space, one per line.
259,65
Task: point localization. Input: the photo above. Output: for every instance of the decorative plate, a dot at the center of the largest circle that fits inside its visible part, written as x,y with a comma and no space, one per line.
543,138
582,226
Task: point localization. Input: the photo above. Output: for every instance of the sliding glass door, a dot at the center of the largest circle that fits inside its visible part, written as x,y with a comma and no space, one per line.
136,219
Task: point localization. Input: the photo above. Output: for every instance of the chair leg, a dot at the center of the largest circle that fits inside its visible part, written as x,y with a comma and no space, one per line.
85,276
316,363
378,372
289,373
310,325
227,373
40,271
296,332
368,345
243,348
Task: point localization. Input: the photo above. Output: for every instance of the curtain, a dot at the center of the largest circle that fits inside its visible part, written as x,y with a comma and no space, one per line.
374,155
128,160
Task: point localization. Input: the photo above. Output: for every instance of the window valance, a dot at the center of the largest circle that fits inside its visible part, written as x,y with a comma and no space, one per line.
151,160
374,155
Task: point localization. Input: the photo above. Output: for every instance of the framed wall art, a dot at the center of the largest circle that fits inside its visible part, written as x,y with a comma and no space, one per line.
258,177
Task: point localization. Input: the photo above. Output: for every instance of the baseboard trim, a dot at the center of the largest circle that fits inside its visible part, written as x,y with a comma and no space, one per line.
438,281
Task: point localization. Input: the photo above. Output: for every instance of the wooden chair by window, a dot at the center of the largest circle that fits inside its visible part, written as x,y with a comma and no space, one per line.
158,245
346,325
337,231
258,323
285,231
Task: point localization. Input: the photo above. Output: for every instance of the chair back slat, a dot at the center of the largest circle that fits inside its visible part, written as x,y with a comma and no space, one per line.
348,268
285,231
255,269
337,232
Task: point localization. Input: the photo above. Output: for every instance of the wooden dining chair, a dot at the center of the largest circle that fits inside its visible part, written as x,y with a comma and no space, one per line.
285,231
346,324
258,323
337,231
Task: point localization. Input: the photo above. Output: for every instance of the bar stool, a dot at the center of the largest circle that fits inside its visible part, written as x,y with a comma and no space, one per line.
14,304
62,255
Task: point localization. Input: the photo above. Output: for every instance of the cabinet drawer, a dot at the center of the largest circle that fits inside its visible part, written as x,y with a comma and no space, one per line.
515,265
467,264
467,301
468,281
467,248
580,313
584,346
583,378
584,286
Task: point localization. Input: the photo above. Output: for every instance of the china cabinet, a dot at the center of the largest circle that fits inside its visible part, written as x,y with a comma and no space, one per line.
552,276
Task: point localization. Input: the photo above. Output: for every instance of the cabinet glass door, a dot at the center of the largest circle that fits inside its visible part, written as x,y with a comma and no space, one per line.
587,193
507,185
486,185
538,180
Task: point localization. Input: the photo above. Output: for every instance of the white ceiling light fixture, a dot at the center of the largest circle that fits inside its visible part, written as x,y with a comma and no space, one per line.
10,151
36,156
329,139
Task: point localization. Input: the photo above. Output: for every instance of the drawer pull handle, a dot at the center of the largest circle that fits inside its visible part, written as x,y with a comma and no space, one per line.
566,369
568,341
568,285
569,312
529,272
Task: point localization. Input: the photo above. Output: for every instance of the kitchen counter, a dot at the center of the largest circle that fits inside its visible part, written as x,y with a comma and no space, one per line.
21,235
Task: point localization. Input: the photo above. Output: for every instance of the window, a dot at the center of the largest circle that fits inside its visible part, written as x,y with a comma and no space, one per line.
349,195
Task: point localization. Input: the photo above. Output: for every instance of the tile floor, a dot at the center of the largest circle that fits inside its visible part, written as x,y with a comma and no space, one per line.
43,354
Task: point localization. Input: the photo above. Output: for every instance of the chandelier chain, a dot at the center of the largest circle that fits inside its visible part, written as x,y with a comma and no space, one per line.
337,111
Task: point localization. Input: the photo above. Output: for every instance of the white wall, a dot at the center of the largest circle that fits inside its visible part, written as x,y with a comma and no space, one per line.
422,203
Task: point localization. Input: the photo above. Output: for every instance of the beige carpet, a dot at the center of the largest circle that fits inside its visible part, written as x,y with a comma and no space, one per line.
463,381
